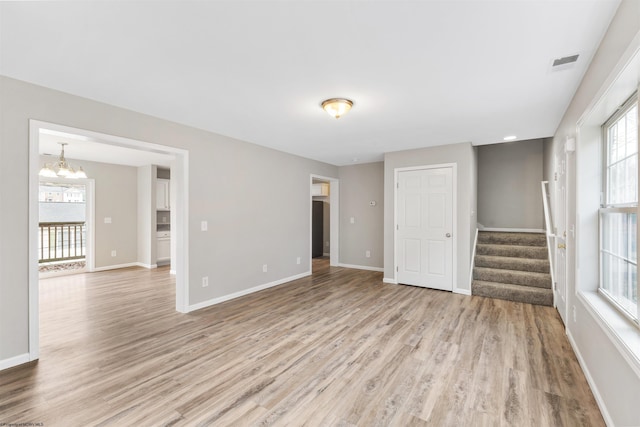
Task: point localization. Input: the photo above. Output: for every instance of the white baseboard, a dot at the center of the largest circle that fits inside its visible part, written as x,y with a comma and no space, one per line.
147,266
515,230
326,254
234,295
361,267
603,408
14,361
462,291
390,281
50,274
172,272
117,266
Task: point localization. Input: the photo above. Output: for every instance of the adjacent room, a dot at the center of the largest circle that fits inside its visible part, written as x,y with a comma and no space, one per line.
347,213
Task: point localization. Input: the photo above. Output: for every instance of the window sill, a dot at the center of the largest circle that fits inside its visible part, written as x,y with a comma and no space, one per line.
623,333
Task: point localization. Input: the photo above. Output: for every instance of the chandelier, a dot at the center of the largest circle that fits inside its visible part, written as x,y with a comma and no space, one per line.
62,168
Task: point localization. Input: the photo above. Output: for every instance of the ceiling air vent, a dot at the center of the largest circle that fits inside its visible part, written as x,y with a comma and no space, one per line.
564,62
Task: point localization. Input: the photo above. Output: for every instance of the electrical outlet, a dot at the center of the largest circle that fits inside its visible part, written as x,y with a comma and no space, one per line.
352,220
107,220
367,254
205,281
298,260
204,226
113,252
264,268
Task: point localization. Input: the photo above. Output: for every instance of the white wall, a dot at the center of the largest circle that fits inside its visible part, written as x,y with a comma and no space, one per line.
360,184
255,199
464,155
615,382
509,176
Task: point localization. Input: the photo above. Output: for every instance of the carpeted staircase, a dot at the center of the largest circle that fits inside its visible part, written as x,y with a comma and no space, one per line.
512,266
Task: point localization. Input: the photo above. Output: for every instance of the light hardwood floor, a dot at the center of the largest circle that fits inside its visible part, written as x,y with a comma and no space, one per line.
337,348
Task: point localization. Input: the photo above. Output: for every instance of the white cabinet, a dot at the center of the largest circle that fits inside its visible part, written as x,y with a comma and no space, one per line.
321,189
162,194
163,250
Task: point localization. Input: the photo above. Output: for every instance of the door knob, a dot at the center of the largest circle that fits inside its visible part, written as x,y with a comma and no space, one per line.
562,246
448,234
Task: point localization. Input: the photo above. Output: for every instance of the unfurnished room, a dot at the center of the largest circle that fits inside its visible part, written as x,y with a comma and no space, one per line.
319,213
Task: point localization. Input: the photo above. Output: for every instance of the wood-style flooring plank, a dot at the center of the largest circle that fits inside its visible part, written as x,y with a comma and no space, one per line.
338,348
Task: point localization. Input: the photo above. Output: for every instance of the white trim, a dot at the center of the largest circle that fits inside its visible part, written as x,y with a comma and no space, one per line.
334,218
473,261
172,272
361,267
592,384
462,291
326,254
179,233
242,293
61,273
14,361
454,222
390,281
514,230
147,266
117,266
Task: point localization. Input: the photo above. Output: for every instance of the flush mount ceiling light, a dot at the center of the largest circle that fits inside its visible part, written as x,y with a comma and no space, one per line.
510,138
337,107
61,168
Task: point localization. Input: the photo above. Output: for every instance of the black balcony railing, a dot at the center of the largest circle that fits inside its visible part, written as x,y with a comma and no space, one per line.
59,241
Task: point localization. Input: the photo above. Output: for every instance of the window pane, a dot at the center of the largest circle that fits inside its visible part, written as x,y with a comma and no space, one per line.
622,159
619,252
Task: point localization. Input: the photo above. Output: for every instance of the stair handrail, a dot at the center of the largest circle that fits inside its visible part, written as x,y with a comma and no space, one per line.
548,225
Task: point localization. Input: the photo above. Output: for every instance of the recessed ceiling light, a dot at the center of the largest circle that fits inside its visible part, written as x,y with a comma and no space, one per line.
510,138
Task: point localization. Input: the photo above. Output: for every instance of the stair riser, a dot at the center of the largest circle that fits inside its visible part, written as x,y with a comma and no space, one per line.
491,292
518,239
507,276
509,263
513,251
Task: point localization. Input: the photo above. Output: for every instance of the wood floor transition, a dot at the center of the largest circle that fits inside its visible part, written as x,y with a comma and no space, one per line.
337,348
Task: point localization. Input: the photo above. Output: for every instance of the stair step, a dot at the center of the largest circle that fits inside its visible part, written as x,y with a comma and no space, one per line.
515,239
516,251
512,292
523,278
513,263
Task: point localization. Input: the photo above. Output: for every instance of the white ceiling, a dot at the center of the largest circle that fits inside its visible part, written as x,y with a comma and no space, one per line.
420,73
84,148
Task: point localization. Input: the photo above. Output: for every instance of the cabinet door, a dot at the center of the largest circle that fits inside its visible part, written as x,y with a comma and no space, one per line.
162,194
163,249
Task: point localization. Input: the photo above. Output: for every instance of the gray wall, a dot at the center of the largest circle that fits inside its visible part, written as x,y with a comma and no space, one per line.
147,215
326,227
360,184
509,193
230,183
464,155
613,379
116,197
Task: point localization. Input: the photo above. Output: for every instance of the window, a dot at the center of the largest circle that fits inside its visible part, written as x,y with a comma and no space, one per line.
618,214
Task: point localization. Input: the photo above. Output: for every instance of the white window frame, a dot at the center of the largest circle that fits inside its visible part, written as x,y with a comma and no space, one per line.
626,208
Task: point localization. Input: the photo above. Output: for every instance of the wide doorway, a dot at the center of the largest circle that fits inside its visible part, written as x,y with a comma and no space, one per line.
425,226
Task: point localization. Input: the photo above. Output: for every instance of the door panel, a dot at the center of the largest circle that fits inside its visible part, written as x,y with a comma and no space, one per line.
560,287
424,229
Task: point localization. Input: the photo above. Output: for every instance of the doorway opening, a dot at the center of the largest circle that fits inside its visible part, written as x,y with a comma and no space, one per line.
100,146
324,244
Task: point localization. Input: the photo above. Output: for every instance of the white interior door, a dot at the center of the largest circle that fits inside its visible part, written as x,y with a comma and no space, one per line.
560,220
424,241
